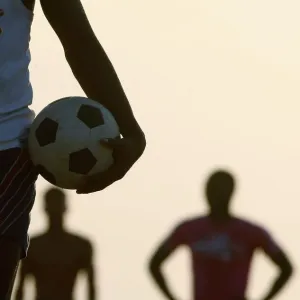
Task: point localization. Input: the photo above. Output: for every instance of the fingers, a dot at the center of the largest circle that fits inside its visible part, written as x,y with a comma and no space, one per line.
92,187
101,181
111,143
123,160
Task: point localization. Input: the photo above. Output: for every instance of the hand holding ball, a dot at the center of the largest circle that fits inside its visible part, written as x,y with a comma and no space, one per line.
65,141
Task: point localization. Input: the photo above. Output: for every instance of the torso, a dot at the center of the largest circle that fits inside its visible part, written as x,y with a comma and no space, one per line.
221,256
55,263
15,88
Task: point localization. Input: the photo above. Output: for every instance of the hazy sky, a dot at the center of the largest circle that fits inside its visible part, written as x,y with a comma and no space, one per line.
213,83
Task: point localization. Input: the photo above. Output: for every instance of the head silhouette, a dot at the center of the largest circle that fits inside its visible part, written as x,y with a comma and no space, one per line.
55,206
219,189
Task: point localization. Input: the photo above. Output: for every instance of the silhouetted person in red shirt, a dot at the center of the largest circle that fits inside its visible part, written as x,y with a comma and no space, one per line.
222,248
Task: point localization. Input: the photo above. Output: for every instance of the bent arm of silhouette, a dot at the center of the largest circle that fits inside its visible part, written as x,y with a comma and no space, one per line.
281,260
155,268
91,282
89,271
166,248
285,271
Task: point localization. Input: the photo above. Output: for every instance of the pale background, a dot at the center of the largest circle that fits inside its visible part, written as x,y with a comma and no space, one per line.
213,83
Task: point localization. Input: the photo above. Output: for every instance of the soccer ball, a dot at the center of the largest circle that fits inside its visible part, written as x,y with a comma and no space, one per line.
64,141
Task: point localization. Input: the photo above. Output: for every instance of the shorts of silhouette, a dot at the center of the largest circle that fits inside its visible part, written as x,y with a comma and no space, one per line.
17,194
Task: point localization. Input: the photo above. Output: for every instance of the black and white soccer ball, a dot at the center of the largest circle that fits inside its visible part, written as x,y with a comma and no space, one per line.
64,140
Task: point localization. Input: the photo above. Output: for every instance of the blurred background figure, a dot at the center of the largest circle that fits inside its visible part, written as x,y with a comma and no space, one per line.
56,257
222,246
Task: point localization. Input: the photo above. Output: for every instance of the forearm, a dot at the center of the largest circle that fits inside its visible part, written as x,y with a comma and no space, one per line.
97,77
91,282
88,60
277,286
161,283
91,293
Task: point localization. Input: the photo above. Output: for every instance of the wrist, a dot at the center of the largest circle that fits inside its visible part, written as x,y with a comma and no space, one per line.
132,130
140,139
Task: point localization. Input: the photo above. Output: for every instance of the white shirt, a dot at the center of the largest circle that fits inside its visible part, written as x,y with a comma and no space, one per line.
15,88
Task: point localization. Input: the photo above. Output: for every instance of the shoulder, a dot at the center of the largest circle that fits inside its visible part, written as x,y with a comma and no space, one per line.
81,242
37,240
192,222
252,228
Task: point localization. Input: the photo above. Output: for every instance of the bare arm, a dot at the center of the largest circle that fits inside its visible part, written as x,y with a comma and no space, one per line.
89,62
166,248
87,267
91,283
155,264
272,250
97,77
285,271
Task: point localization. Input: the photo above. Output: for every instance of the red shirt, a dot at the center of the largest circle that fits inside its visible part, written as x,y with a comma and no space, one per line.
221,255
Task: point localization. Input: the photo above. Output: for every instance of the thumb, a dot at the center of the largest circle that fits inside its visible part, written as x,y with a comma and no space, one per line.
111,143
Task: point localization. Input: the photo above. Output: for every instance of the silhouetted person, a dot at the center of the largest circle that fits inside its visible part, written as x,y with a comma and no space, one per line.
222,247
56,257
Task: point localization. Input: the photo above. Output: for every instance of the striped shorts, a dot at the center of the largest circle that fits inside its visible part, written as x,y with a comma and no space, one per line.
17,195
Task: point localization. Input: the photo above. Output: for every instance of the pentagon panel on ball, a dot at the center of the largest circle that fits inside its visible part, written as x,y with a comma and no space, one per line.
64,140
46,132
90,116
82,161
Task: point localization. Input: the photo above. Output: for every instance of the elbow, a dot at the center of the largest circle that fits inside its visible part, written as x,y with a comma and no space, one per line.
287,271
153,267
143,142
290,271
